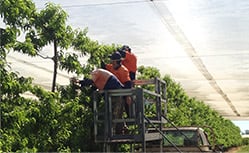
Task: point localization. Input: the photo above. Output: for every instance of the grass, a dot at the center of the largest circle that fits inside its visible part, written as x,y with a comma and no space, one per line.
243,149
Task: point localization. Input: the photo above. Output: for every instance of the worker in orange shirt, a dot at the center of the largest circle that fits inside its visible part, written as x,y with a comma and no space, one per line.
129,61
101,79
105,80
119,70
122,73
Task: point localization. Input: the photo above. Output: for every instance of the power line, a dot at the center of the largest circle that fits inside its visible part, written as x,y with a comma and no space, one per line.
107,4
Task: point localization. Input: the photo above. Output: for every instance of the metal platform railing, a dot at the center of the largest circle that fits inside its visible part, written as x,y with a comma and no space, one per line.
147,107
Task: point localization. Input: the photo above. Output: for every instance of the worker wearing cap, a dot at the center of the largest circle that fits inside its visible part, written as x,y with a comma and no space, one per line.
122,73
129,61
119,70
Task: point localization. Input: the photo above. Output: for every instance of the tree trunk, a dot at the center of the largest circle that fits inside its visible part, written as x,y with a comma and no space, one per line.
55,59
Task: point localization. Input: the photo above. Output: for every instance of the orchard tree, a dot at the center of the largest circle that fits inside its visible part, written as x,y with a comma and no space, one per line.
48,27
40,29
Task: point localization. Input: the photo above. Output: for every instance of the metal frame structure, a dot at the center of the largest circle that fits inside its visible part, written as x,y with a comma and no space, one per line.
145,114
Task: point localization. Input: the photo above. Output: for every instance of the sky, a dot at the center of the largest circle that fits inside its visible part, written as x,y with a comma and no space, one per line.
214,28
243,125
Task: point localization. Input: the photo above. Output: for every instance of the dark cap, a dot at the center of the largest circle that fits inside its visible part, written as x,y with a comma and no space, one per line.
126,48
115,56
122,53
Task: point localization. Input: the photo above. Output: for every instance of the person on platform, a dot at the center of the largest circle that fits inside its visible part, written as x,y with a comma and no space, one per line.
104,80
101,79
122,73
129,61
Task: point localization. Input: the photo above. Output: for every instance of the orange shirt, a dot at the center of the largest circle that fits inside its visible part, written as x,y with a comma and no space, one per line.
121,73
130,62
100,77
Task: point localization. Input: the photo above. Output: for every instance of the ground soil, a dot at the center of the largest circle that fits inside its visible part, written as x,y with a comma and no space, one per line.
233,150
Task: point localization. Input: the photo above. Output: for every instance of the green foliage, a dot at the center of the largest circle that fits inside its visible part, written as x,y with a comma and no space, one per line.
51,25
26,47
8,37
94,51
70,63
50,122
148,72
245,141
16,12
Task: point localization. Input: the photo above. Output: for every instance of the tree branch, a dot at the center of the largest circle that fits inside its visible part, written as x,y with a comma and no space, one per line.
44,57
